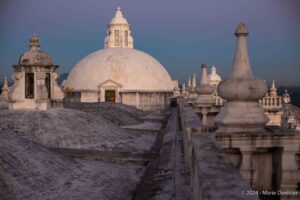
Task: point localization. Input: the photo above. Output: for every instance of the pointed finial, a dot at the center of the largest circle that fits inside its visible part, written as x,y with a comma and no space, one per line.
204,77
189,84
241,30
273,85
194,80
204,98
242,90
118,13
273,89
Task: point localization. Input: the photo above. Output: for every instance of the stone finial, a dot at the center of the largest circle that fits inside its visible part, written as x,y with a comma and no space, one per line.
34,42
204,86
183,88
241,30
242,90
194,84
189,84
204,99
273,89
204,89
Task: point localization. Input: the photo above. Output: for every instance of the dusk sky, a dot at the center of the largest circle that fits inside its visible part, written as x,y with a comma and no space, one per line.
180,34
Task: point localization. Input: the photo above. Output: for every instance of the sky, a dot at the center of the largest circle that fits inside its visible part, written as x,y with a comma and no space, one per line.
180,34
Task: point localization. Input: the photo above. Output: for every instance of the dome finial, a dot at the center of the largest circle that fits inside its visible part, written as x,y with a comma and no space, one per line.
34,42
119,33
118,13
273,89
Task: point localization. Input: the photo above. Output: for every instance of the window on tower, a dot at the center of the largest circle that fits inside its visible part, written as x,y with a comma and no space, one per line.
29,85
117,38
126,38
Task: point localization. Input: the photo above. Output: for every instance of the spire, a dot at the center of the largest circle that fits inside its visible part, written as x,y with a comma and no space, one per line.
241,65
34,42
118,34
204,86
242,90
194,84
204,77
204,100
189,84
273,90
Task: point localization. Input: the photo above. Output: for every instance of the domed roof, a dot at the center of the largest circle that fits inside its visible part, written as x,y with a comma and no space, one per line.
213,76
132,69
118,18
35,56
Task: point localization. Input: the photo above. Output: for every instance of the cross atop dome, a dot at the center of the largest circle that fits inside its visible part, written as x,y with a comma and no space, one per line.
118,32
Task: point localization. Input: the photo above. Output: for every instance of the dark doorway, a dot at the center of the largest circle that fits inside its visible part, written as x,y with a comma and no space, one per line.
110,96
29,85
48,84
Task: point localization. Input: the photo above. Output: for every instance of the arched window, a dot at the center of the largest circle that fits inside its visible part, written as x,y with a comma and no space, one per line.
29,85
48,84
126,38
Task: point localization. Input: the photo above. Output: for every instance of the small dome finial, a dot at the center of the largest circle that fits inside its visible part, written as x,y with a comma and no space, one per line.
241,30
34,42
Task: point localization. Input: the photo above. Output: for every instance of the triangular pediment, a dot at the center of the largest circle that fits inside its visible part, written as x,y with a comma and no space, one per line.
109,84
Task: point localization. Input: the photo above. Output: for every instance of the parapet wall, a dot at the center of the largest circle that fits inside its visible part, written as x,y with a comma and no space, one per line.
211,172
3,103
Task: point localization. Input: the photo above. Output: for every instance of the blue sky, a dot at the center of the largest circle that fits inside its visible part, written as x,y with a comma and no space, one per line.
180,34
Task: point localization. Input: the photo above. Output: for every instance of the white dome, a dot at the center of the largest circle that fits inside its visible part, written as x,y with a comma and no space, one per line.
213,76
133,69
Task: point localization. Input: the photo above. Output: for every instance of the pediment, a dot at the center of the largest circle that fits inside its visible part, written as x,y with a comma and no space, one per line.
109,84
